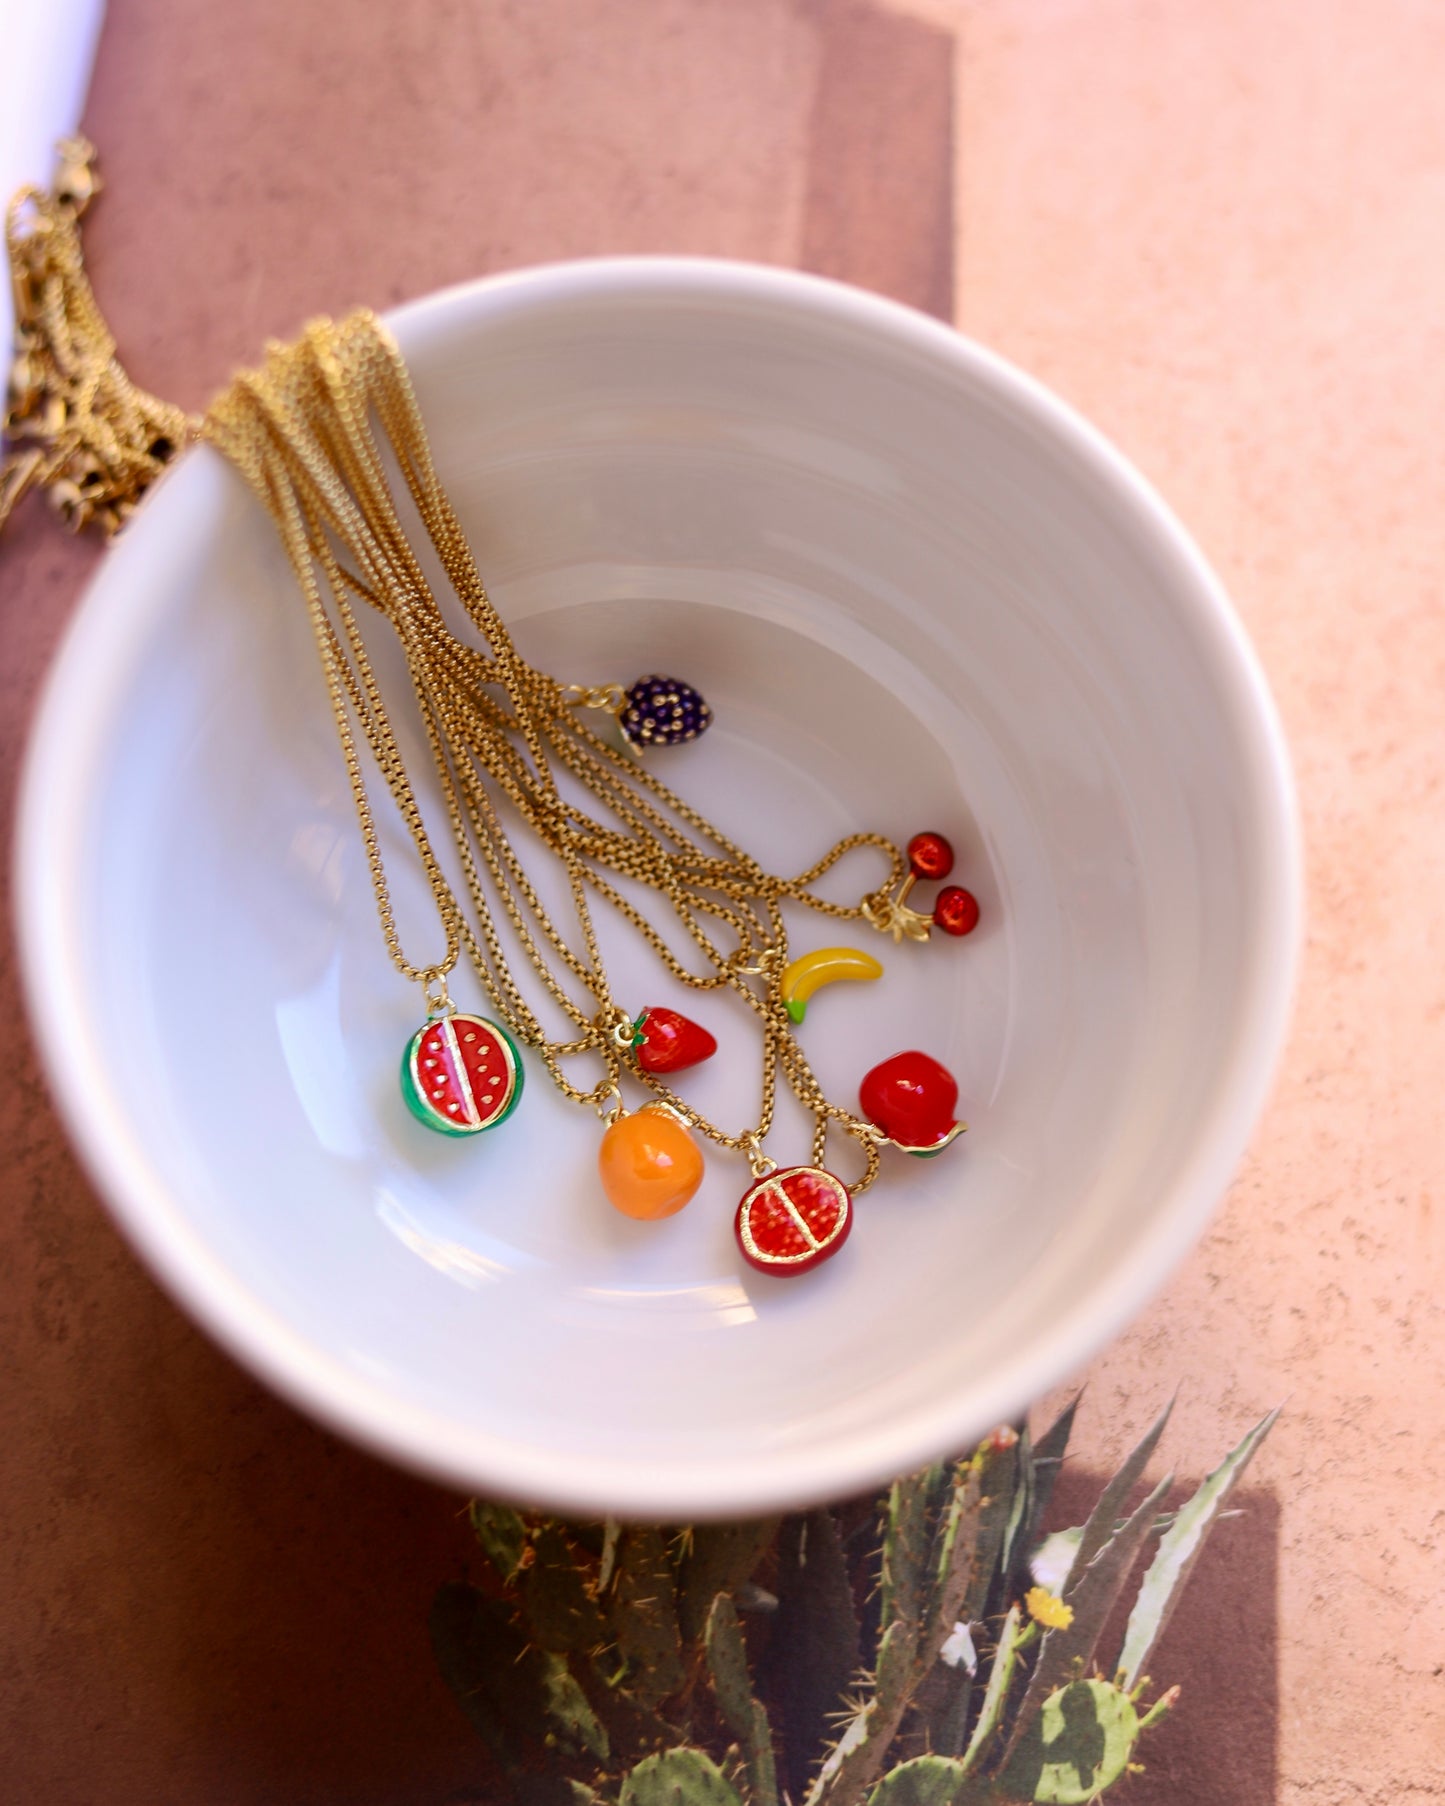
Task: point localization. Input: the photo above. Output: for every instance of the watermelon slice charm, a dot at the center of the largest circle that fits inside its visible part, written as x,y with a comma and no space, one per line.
461,1074
793,1219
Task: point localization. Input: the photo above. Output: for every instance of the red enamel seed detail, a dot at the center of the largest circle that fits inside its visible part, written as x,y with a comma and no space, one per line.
956,910
791,1220
464,1071
930,857
671,1042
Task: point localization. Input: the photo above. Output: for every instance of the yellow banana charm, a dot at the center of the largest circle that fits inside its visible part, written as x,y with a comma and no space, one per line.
825,966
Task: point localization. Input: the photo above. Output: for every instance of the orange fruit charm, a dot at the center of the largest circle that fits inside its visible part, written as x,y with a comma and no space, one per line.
649,1163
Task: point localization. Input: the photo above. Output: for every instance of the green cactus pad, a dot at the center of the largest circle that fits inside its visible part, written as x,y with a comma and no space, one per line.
747,1718
644,1616
1092,1596
817,1624
995,1698
572,1719
847,1756
894,1665
1079,1744
684,1777
998,1472
926,1781
561,1613
905,1549
502,1533
508,1689
721,1558
952,1558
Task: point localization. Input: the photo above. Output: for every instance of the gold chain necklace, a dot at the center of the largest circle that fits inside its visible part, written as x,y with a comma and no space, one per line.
75,424
517,764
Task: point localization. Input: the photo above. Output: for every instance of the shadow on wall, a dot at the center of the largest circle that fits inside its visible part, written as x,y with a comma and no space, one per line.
878,202
1219,1745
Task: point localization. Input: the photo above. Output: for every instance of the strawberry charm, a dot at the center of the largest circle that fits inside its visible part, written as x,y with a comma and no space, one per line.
912,1098
461,1074
792,1219
664,1041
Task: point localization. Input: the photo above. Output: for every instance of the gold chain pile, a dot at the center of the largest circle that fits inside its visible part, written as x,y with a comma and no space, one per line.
302,432
75,425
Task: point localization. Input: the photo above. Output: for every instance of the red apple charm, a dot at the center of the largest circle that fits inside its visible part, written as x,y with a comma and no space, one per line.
912,1098
667,1042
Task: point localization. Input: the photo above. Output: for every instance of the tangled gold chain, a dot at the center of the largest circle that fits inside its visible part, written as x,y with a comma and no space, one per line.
514,758
76,426
501,733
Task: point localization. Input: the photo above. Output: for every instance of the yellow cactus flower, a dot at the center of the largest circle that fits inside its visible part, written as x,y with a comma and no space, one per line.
1045,1609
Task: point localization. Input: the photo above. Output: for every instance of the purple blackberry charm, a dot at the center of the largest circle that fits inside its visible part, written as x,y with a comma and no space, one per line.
662,711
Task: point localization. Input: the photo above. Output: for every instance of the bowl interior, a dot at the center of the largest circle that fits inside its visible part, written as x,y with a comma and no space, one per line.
918,594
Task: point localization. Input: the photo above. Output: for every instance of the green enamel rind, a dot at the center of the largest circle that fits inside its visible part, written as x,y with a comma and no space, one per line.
423,1111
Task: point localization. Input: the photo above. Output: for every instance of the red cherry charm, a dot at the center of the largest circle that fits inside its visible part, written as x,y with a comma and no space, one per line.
956,910
792,1219
912,1098
930,857
667,1042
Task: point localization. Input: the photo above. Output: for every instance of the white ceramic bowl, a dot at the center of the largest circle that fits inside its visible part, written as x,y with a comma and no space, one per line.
919,592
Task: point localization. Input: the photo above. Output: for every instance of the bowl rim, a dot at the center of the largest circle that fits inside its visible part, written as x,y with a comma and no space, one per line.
54,774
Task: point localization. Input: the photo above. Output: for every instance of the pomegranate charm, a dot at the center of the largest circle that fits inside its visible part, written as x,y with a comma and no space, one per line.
461,1074
912,1098
792,1219
664,1041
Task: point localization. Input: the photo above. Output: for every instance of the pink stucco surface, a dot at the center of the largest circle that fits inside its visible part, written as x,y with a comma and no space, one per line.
1217,229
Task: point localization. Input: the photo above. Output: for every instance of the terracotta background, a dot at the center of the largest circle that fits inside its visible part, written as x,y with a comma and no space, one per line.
1217,228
